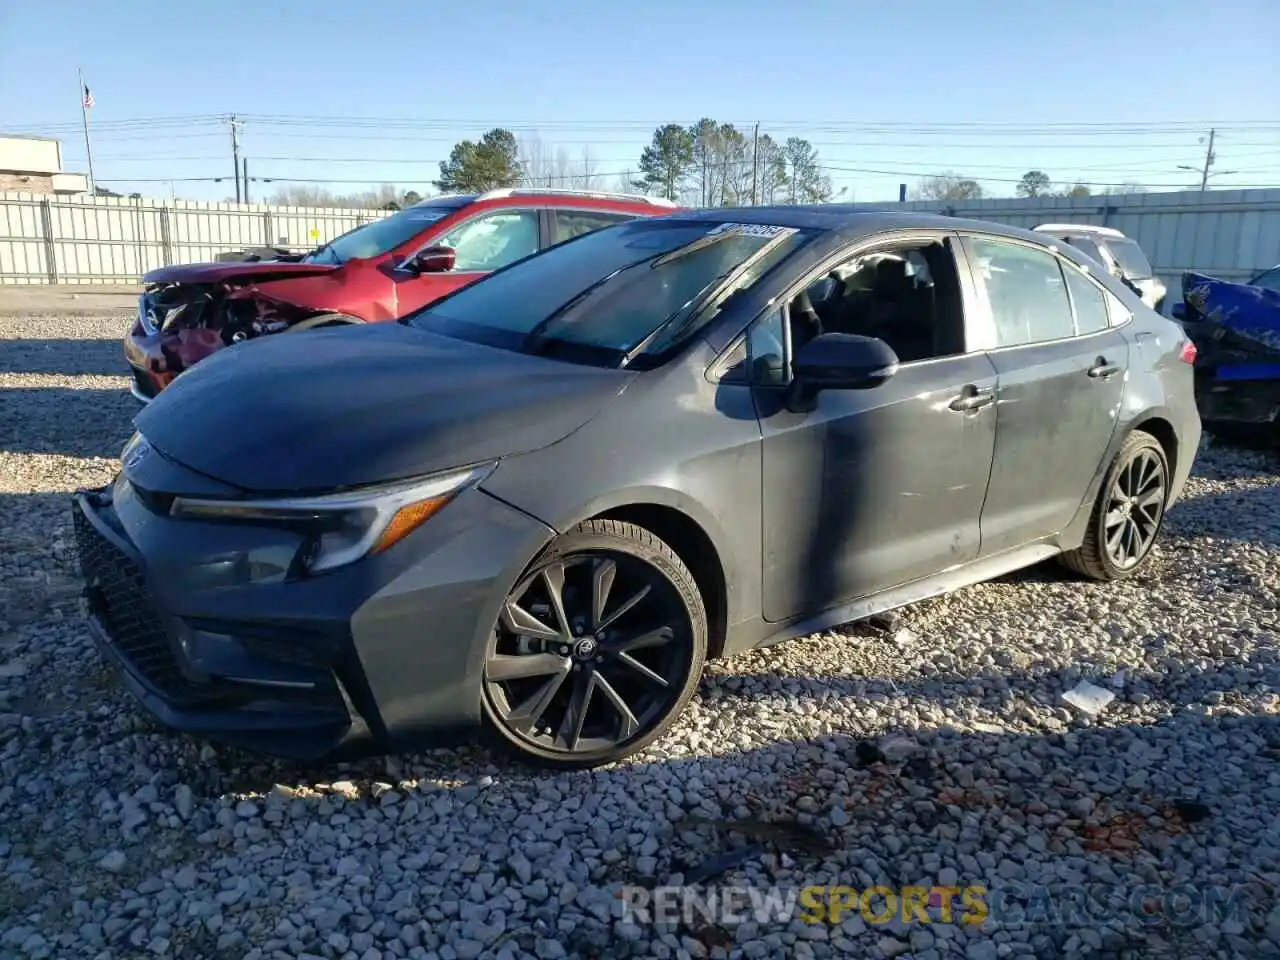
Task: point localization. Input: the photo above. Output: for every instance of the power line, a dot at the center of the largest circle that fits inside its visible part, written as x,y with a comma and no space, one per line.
1081,128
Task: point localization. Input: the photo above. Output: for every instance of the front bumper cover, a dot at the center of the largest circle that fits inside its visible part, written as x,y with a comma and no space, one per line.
297,710
382,656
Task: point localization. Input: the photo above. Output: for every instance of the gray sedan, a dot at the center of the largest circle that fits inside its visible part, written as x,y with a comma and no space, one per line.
537,506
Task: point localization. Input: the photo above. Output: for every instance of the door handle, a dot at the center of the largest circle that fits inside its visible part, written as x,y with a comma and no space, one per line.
971,398
1102,370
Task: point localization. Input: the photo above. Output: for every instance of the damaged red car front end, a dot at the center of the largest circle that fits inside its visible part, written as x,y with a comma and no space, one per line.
186,313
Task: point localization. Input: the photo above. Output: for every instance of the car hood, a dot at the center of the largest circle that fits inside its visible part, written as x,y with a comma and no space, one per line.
349,406
260,271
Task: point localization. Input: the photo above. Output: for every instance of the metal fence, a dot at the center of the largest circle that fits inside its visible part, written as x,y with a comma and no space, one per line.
1232,234
1229,233
112,240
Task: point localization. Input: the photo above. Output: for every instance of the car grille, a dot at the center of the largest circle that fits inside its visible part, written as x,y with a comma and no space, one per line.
120,599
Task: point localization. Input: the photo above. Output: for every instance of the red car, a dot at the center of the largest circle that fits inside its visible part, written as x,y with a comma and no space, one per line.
379,271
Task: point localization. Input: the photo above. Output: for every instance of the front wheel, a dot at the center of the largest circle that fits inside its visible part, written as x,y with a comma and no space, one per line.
598,648
1128,514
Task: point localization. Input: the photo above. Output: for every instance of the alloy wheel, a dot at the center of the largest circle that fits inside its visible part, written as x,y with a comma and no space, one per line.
1134,509
592,650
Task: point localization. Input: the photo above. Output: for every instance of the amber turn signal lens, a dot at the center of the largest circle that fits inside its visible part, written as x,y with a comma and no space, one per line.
408,519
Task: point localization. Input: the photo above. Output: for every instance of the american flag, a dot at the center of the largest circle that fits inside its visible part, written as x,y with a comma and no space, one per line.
88,97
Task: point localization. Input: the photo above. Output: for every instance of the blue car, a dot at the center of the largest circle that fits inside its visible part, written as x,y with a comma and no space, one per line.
1236,330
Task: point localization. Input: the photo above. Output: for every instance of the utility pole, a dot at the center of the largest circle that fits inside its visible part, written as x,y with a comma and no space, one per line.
755,161
1208,162
1210,158
235,152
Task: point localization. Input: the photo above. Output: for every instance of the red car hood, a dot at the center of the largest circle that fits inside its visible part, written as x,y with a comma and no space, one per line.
218,272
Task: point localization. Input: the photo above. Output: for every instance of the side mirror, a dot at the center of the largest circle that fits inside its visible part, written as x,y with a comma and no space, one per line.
1179,311
432,260
844,361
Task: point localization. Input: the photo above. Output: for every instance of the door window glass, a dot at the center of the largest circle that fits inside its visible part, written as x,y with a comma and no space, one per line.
1088,300
767,351
1026,291
907,295
488,243
574,223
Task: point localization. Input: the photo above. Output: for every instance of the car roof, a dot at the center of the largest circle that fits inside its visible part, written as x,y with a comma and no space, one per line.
850,221
639,200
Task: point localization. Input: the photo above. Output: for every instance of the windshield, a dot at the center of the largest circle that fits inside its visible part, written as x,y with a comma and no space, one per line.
1268,280
380,236
1133,262
604,295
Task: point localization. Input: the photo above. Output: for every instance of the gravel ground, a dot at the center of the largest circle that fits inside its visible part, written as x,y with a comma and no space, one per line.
118,839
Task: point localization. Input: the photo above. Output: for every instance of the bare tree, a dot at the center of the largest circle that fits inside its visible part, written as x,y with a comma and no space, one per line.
771,163
381,198
586,176
549,167
537,161
948,186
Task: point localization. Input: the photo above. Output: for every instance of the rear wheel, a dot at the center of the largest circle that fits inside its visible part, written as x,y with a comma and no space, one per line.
1128,514
598,649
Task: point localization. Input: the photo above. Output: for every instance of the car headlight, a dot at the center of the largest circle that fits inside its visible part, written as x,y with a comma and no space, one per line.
344,527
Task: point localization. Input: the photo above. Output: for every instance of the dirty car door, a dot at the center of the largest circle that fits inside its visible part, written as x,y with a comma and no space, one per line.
876,487
1061,373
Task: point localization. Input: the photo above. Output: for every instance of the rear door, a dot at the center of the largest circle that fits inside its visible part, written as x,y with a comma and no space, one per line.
1061,370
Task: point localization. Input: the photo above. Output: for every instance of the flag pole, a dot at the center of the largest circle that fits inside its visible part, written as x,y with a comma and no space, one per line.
84,119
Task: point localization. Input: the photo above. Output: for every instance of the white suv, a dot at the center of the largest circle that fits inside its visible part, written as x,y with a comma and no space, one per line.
1119,254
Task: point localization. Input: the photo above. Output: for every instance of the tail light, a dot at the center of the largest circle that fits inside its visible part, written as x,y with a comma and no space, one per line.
1188,354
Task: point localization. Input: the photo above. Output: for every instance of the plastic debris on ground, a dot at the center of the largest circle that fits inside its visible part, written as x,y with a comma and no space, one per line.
1089,698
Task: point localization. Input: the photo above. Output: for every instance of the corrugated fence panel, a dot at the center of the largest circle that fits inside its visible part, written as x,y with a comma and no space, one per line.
22,246
1230,233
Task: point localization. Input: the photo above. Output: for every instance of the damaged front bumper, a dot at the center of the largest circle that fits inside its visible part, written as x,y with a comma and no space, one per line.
278,694
215,636
179,325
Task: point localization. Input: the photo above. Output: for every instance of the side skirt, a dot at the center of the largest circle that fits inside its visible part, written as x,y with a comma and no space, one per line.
948,581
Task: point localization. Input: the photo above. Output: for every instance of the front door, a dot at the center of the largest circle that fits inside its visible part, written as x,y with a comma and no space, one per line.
482,244
1061,372
874,488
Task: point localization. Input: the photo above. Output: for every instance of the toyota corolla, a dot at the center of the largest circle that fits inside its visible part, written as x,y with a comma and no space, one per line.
538,505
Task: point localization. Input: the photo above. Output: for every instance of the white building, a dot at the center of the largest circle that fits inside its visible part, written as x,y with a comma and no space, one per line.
34,165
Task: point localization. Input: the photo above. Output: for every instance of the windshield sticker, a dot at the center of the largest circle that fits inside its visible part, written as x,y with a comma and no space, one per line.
749,229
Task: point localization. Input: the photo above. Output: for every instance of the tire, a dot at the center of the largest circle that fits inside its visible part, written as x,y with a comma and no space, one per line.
632,612
1094,558
322,320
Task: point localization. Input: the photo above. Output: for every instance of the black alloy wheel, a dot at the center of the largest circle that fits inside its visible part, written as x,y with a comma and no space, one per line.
598,648
1128,514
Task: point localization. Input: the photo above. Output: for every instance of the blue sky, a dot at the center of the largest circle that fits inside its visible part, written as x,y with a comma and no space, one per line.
906,88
